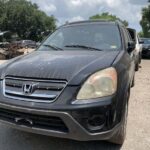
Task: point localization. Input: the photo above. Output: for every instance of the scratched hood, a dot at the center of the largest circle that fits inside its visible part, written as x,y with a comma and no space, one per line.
58,64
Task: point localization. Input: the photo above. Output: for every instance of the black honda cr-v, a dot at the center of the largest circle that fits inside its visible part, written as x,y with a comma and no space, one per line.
76,85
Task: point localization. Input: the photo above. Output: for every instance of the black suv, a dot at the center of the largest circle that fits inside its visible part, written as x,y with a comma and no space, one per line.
145,47
76,85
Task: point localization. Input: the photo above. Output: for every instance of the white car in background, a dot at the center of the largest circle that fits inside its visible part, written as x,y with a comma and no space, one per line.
145,47
138,48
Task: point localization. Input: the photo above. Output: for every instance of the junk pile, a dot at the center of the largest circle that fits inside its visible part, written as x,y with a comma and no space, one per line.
8,51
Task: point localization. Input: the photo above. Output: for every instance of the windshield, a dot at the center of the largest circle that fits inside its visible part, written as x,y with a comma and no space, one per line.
146,41
84,37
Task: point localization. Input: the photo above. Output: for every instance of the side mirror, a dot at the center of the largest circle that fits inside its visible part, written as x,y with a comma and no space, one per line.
141,42
131,46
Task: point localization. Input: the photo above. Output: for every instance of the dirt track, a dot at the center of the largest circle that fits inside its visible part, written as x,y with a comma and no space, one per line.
138,132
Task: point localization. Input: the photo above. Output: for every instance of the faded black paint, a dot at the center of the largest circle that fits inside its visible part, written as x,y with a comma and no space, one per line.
65,65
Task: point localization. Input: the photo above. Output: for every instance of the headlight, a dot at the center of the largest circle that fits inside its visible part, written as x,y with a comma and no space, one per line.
100,84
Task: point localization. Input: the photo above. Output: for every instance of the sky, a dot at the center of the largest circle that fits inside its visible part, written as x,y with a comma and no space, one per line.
76,10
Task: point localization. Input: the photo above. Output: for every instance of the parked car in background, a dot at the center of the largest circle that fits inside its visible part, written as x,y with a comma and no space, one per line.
138,48
15,44
76,85
28,44
24,44
145,47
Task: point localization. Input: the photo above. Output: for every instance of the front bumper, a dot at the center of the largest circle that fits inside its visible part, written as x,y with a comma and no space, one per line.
75,130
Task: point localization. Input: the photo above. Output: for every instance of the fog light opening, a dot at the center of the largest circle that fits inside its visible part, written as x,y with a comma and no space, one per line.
96,122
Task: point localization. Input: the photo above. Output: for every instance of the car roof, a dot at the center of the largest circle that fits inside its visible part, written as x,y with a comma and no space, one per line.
94,21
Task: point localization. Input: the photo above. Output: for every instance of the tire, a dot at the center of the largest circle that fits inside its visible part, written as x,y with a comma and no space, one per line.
137,66
140,59
120,135
133,82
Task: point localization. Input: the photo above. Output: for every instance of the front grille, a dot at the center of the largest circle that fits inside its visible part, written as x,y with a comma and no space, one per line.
33,89
38,121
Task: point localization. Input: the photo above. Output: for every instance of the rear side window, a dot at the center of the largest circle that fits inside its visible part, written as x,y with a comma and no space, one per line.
126,36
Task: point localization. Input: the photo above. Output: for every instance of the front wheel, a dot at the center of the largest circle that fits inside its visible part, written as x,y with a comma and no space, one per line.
140,59
120,135
137,66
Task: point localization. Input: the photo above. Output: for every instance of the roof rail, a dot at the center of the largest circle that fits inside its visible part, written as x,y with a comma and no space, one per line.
94,20
119,22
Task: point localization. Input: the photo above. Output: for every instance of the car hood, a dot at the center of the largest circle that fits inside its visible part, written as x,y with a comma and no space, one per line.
64,65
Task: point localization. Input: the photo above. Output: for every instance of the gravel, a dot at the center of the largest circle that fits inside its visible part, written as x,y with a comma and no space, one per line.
138,132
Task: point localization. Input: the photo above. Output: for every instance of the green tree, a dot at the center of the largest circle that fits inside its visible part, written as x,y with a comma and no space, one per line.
25,19
145,22
140,34
108,16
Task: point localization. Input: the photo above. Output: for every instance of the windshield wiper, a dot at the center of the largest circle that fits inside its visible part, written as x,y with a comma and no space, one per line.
84,47
53,47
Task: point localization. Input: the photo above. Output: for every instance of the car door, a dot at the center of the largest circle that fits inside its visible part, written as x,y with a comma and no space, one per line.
134,37
131,54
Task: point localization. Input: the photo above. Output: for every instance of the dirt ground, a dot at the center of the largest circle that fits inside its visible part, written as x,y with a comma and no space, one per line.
138,130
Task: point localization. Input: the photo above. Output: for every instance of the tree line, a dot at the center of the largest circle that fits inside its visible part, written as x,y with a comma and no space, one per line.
145,22
27,21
